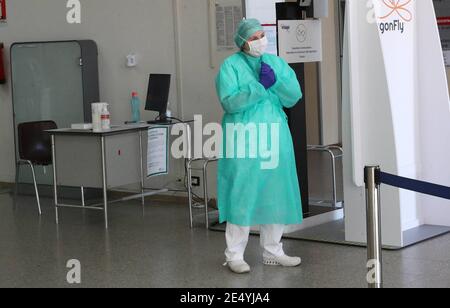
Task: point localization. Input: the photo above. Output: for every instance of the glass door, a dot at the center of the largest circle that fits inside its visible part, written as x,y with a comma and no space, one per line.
47,85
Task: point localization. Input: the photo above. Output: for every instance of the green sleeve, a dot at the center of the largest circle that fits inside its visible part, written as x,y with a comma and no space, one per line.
237,98
287,87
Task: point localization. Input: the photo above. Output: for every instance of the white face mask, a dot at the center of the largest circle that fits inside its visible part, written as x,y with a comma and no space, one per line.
258,47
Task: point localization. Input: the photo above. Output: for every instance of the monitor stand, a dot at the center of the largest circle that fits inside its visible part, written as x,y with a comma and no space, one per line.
162,119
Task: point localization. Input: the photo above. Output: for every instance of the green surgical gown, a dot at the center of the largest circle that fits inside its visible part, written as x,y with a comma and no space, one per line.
248,194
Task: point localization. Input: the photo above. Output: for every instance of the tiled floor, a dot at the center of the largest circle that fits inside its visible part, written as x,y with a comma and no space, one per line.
157,249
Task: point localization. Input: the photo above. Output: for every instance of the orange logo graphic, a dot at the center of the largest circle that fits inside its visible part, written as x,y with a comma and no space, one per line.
396,6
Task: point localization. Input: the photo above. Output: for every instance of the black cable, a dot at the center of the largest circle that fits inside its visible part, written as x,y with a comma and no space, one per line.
159,118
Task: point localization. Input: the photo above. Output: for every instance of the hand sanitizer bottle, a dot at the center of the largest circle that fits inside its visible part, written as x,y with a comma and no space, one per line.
135,108
106,118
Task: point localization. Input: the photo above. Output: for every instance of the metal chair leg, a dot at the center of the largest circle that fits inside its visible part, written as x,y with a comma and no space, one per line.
329,150
83,203
35,186
16,184
333,171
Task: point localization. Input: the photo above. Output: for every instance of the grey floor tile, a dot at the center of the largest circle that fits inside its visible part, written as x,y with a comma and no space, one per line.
158,249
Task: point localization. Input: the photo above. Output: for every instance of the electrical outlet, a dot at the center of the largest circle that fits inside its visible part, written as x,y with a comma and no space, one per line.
196,181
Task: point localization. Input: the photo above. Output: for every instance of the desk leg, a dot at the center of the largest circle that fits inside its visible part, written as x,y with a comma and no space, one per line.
83,202
189,180
142,169
105,190
55,183
205,193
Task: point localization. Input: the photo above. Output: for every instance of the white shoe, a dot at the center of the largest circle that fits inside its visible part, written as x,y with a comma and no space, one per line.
284,260
238,267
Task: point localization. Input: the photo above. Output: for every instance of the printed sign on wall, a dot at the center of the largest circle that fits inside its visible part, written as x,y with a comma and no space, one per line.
300,40
442,8
228,16
158,151
2,10
265,12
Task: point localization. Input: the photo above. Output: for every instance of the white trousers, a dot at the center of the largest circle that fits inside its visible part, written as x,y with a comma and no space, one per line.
237,240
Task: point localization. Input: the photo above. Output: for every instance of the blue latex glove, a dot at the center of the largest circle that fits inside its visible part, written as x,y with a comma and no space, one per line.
267,76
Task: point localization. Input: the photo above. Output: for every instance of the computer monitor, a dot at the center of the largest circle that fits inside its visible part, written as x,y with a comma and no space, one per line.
158,93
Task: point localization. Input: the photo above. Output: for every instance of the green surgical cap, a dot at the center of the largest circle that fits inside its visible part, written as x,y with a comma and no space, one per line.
246,29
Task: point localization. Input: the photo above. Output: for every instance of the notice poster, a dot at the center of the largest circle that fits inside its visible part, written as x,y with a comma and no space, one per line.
447,57
158,151
265,12
300,40
228,17
442,8
2,10
271,34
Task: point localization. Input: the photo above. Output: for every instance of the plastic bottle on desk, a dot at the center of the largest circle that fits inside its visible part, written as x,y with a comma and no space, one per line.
135,107
106,118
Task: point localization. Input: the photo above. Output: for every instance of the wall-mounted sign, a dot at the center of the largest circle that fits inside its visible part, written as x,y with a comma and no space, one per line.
2,10
300,40
228,16
265,12
271,34
158,151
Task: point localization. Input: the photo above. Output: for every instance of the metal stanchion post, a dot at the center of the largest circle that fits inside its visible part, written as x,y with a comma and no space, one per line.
374,243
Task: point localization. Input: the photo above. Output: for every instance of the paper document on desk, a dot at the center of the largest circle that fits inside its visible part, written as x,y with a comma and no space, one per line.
158,151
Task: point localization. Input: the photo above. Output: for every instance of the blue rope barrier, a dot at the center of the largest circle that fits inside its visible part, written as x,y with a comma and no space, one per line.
415,185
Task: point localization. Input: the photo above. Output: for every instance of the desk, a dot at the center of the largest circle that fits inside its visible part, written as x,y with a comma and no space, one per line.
113,158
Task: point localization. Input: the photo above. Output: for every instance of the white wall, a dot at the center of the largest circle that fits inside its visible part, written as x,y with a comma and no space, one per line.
197,74
118,27
146,27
